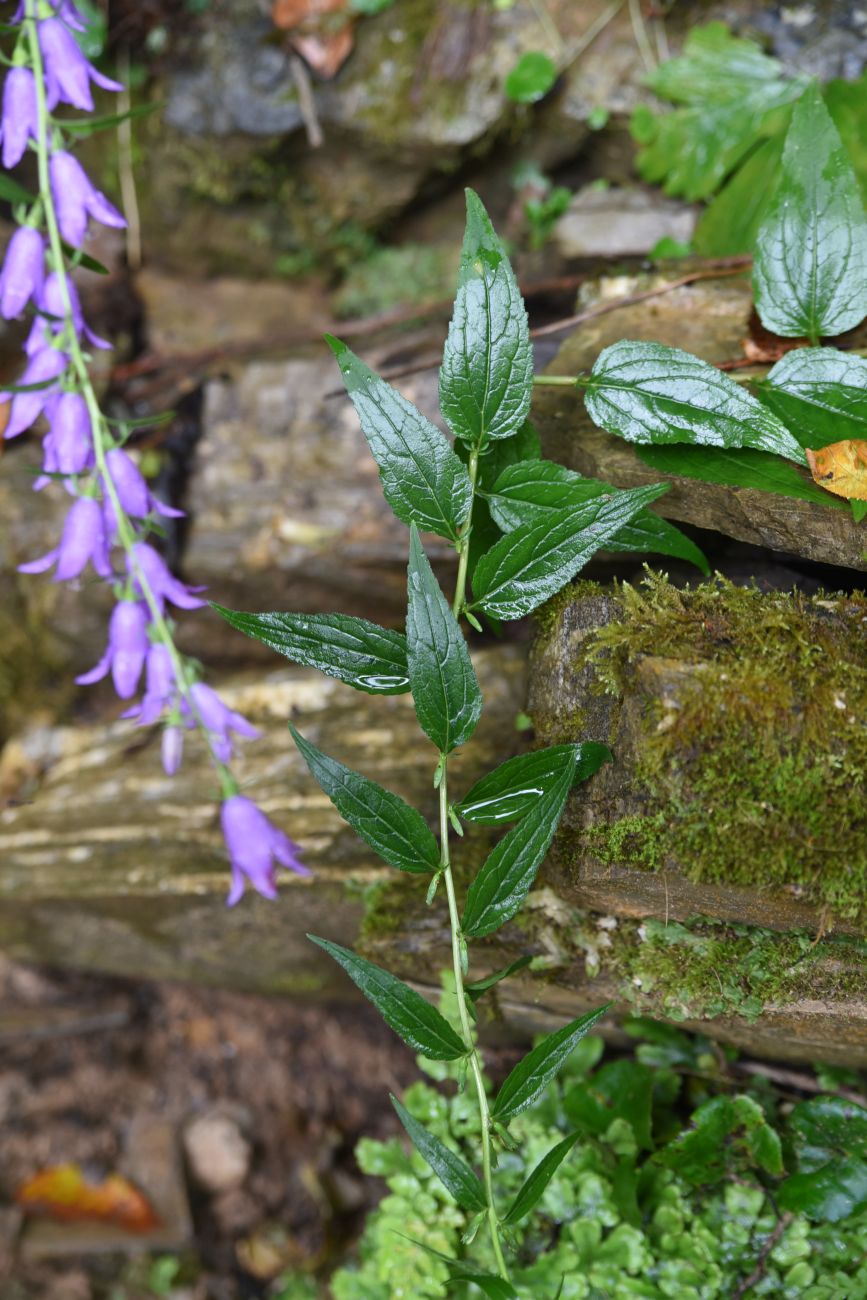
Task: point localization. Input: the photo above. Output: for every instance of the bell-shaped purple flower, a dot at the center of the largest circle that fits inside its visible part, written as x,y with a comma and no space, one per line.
172,749
23,271
132,490
126,652
75,198
218,719
67,72
83,539
164,585
160,687
26,407
71,433
51,301
20,120
254,843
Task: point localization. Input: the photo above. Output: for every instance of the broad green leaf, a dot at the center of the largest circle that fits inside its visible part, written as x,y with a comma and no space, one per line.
509,871
495,456
359,653
12,192
531,78
513,788
423,480
486,380
649,392
846,101
620,1090
475,990
829,1137
392,828
810,264
418,1023
730,223
529,565
820,393
441,675
464,1270
531,1076
526,491
453,1172
727,1134
750,469
830,1194
533,1188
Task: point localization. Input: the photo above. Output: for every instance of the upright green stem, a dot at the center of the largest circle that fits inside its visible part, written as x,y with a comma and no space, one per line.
464,542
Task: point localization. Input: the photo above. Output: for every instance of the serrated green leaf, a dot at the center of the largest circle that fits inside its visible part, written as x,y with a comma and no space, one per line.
531,1076
750,469
453,1172
418,1023
475,990
513,788
359,653
464,1270
533,1188
531,78
820,394
527,491
423,480
392,828
441,675
810,263
486,380
652,393
508,873
529,565
730,223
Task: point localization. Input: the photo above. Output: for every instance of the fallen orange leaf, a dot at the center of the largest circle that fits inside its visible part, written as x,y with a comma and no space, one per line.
320,31
841,468
63,1192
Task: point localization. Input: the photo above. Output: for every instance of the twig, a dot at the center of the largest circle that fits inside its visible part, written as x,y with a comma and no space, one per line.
641,38
546,22
306,102
759,1270
801,1080
586,39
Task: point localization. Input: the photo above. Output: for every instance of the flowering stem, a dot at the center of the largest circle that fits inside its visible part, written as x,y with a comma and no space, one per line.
125,530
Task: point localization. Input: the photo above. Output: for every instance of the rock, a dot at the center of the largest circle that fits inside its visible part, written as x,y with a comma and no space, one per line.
218,1153
620,222
718,315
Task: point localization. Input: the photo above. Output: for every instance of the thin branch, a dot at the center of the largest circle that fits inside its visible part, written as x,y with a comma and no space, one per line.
759,1270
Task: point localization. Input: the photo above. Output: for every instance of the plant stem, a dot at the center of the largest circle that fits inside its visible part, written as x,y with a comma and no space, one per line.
466,1028
464,541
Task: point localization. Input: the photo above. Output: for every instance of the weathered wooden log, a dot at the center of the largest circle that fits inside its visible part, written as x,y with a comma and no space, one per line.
709,318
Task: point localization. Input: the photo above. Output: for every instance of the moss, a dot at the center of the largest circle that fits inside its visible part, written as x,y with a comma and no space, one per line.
751,765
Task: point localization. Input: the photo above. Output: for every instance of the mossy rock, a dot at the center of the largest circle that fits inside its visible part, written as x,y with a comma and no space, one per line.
738,723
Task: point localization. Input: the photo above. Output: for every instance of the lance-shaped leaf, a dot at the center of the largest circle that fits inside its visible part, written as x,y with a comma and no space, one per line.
532,1190
649,392
464,1270
475,990
530,1077
810,264
453,1172
441,675
423,480
820,393
392,828
528,491
514,787
359,653
418,1023
750,469
510,869
527,566
486,380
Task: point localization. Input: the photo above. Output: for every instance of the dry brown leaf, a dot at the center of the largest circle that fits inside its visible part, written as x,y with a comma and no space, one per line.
325,54
320,31
841,468
63,1192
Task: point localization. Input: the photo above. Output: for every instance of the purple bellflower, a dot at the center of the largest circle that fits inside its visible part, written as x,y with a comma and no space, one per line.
75,198
51,301
162,583
23,271
132,491
161,687
67,448
83,540
67,72
253,843
26,407
20,120
218,719
64,9
126,652
172,749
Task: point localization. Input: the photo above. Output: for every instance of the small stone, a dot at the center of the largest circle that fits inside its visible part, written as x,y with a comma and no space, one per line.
218,1153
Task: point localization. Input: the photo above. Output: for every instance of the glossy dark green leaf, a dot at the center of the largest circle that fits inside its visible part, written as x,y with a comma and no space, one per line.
392,828
526,491
619,1090
359,653
830,1194
418,1023
821,395
810,263
495,456
486,380
441,675
533,1188
531,78
730,223
475,990
464,1270
423,480
531,1076
453,1172
846,101
510,869
514,787
727,1135
648,392
529,565
750,469
829,1139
